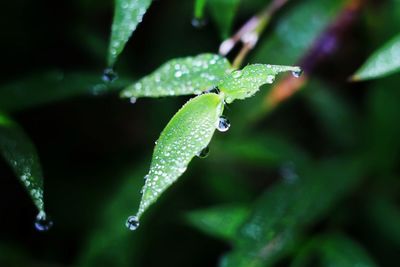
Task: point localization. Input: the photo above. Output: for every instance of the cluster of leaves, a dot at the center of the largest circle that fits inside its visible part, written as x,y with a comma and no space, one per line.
280,223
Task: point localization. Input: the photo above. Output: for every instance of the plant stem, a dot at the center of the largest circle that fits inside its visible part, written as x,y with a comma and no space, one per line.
250,32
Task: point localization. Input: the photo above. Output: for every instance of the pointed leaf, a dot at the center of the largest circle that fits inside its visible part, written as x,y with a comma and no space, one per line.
383,62
223,12
188,132
338,250
182,76
20,154
220,221
242,84
127,15
199,7
51,86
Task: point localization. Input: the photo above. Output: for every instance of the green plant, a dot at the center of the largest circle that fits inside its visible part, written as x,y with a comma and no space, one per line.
306,176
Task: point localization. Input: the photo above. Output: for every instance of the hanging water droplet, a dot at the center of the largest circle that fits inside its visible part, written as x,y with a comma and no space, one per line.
132,100
297,74
223,124
132,223
199,22
204,152
237,74
109,75
42,222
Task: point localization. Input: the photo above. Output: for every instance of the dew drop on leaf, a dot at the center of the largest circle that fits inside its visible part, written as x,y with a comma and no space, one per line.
199,23
297,74
204,152
132,100
223,124
109,75
42,222
237,74
132,223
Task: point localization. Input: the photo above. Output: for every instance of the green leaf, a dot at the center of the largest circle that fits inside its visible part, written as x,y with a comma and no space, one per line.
284,211
383,62
199,8
21,155
338,250
223,12
109,243
182,76
242,84
220,221
188,132
127,15
52,86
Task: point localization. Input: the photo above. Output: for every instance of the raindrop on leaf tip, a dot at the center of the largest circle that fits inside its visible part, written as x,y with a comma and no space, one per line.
42,222
132,223
199,23
297,74
109,75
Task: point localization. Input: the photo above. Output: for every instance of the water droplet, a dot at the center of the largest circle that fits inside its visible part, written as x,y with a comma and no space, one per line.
132,100
297,74
237,74
288,172
178,74
42,222
223,124
204,152
109,75
132,223
199,22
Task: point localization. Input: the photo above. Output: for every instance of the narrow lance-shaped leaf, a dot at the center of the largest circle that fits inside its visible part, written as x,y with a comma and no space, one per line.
51,86
127,15
223,12
20,154
339,250
242,84
199,7
182,76
185,136
383,62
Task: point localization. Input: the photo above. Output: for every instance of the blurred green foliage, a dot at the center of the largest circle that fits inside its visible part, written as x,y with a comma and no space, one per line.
313,182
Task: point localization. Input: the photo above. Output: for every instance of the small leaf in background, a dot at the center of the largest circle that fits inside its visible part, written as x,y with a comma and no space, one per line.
339,250
223,12
48,87
109,243
199,7
220,221
244,83
283,212
127,15
21,155
185,136
182,76
383,62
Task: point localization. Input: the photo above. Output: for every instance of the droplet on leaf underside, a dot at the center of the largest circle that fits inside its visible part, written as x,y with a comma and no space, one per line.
199,23
223,124
109,75
204,152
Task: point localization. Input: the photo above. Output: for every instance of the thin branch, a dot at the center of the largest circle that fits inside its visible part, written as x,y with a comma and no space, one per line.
250,32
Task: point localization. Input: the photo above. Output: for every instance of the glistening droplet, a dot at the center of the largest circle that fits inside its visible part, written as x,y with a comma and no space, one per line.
223,124
297,74
109,75
199,22
237,74
132,100
42,222
132,223
204,152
